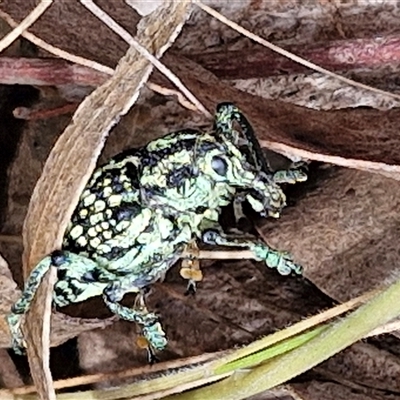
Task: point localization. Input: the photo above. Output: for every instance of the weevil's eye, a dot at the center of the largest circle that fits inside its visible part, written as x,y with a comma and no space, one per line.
219,165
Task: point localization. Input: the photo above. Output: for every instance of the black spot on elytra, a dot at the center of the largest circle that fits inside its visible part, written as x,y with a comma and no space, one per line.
91,276
58,258
126,212
150,159
201,210
116,252
118,188
61,273
133,174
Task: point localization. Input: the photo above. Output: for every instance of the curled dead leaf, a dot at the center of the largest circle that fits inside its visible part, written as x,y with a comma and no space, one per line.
70,165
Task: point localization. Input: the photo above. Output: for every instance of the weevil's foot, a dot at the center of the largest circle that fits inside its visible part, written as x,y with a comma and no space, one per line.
287,267
282,261
191,288
155,336
153,339
19,346
18,342
191,271
143,343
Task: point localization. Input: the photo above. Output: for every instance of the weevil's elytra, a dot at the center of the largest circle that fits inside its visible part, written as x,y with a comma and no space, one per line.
139,211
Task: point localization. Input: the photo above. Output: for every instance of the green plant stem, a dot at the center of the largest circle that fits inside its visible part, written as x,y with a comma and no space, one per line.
270,352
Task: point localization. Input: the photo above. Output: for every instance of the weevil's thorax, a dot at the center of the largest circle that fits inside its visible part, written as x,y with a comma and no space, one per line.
183,179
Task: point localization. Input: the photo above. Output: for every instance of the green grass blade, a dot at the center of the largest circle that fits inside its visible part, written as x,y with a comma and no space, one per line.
384,307
270,352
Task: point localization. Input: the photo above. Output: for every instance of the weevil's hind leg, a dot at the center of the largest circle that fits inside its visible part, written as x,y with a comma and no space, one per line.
151,333
22,305
77,279
272,258
151,327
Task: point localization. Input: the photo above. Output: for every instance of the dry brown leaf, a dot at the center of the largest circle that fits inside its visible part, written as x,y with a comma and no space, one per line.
9,376
144,7
331,390
279,50
69,166
344,231
319,139
354,365
336,55
9,294
368,139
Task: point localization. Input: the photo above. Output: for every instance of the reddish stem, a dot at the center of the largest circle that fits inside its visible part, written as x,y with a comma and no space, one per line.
340,55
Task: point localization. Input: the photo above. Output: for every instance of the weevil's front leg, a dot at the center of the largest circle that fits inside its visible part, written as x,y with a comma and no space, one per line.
290,176
22,305
238,207
151,327
272,258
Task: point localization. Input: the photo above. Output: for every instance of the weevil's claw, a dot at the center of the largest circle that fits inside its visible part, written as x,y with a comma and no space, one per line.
191,288
151,356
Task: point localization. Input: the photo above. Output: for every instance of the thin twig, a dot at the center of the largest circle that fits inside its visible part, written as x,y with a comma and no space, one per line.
171,92
19,29
55,50
288,54
124,34
11,239
32,114
390,170
220,255
127,373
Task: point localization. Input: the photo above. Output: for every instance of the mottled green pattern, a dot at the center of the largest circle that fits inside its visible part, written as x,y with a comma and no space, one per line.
139,211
